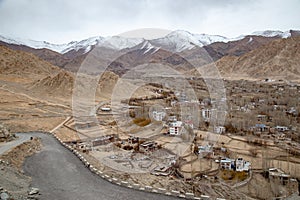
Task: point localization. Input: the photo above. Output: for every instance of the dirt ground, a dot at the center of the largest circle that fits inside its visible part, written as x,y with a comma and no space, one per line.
261,188
21,112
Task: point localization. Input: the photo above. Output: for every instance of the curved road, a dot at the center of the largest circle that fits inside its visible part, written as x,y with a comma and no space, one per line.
4,147
59,174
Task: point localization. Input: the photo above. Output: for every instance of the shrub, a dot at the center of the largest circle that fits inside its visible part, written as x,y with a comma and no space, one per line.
132,113
230,128
127,147
231,175
241,175
142,121
118,145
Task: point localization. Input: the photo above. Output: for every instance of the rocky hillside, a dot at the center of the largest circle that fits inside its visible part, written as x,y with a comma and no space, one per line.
60,83
48,55
142,55
24,65
107,82
277,59
218,50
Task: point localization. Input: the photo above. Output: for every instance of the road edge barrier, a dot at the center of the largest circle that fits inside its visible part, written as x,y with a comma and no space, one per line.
135,186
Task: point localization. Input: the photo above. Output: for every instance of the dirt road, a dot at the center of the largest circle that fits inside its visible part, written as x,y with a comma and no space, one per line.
61,175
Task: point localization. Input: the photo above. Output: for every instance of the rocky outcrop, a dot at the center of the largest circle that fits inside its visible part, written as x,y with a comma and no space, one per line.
5,135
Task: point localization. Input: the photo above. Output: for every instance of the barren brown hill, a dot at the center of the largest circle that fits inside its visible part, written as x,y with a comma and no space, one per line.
137,56
218,50
70,61
48,55
74,64
107,83
277,59
60,84
23,65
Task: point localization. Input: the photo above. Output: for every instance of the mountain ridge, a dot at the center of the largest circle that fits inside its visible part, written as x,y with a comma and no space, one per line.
279,58
180,50
185,39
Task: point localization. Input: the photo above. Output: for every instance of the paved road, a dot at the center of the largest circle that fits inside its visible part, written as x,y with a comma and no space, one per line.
4,147
61,175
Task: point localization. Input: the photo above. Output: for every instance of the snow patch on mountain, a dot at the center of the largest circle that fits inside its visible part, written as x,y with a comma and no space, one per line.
178,41
147,46
269,33
183,40
175,41
86,45
117,42
114,42
209,39
36,44
250,40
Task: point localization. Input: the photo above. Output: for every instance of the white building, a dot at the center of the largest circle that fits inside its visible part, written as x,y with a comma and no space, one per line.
158,116
205,150
172,118
105,109
242,165
175,128
219,129
176,124
227,163
238,165
206,114
281,128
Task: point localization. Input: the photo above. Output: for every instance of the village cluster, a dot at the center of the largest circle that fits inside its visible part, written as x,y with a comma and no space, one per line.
182,139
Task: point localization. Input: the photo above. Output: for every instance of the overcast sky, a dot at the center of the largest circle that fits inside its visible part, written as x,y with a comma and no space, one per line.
62,21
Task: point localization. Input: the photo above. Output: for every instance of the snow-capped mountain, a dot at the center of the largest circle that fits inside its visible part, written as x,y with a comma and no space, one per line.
83,44
176,41
114,42
209,39
37,44
183,40
270,33
117,42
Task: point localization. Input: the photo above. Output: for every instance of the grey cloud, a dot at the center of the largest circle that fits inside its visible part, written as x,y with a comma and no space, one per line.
63,20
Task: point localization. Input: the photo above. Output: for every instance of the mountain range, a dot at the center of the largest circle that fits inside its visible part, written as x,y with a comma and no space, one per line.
256,55
180,40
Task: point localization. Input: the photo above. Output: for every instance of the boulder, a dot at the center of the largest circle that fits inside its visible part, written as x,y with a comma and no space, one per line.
5,135
34,191
4,196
